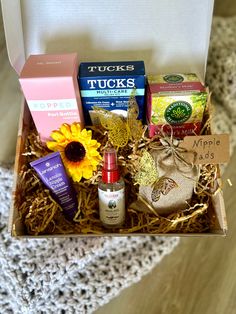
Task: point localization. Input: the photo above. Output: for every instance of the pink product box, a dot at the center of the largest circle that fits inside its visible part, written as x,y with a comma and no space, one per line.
50,86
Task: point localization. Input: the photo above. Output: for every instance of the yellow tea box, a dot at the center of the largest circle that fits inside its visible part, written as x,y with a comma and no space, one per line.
178,100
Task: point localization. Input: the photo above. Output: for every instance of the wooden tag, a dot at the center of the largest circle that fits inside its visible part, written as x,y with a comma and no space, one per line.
210,149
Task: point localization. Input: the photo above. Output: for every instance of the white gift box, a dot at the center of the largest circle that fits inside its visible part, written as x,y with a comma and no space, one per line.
170,36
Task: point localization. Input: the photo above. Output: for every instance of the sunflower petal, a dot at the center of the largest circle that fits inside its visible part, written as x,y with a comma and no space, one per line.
57,136
75,129
85,163
53,146
95,143
93,152
65,130
88,172
86,134
77,176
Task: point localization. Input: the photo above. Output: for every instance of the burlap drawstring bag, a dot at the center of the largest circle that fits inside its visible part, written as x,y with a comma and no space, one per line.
177,177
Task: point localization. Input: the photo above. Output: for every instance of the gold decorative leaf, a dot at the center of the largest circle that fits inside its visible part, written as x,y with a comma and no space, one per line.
119,129
147,173
116,125
135,126
119,135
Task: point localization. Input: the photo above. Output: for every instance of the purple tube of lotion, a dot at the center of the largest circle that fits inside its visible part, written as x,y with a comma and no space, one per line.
51,171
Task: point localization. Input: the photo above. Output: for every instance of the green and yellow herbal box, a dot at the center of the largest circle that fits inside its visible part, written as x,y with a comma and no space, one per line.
178,100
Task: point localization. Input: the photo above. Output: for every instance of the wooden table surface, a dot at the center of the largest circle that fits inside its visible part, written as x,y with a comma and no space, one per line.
199,277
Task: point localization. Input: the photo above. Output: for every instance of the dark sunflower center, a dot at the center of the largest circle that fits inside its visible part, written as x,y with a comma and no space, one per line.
75,151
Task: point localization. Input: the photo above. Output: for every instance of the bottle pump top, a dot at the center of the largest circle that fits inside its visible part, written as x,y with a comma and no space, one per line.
110,171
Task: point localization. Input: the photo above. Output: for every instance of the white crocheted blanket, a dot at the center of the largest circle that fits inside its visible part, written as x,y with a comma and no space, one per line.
77,275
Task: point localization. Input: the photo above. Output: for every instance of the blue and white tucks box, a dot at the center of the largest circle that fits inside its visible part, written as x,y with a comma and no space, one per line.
108,85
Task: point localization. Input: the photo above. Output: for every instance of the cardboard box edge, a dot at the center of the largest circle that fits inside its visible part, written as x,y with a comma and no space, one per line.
16,165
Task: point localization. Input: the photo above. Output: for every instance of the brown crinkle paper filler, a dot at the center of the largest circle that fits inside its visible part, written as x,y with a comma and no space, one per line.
40,214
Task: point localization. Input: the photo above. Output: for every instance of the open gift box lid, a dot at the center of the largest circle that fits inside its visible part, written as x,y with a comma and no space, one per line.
170,36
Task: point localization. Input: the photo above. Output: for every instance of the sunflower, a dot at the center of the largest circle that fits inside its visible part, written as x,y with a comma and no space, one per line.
78,150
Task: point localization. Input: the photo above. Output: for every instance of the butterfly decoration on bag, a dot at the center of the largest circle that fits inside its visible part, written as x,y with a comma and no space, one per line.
147,175
162,186
121,130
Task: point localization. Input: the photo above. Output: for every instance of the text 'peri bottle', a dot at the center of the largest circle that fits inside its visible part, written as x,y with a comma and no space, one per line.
111,192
